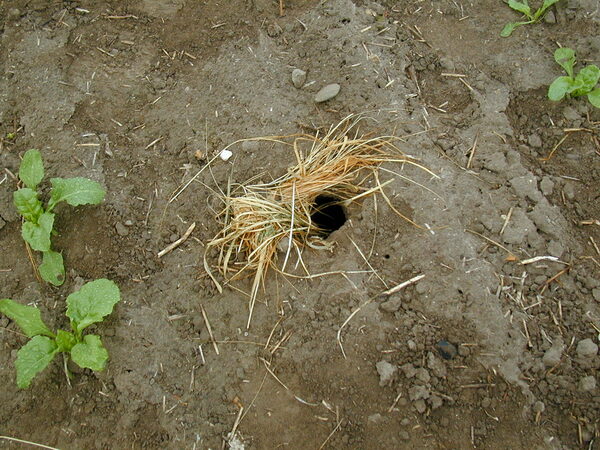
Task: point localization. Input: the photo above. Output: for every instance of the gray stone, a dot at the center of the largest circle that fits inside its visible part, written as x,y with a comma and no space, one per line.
298,78
417,392
327,93
596,294
436,365
539,407
409,370
121,229
534,140
526,187
547,186
386,372
420,406
518,227
586,348
571,114
550,17
412,345
587,384
435,401
392,305
375,418
403,435
555,248
423,375
552,356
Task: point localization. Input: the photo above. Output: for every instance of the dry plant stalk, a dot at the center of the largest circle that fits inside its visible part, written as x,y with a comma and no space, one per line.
337,165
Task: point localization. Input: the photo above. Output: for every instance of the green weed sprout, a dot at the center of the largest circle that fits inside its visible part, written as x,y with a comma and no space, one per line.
38,225
94,301
524,8
574,85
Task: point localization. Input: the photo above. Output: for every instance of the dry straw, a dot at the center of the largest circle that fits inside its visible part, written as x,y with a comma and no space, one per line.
264,218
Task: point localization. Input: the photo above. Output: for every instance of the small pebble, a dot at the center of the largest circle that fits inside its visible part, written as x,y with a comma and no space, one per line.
587,384
298,78
586,348
446,349
404,435
420,406
539,407
121,229
225,155
386,372
327,93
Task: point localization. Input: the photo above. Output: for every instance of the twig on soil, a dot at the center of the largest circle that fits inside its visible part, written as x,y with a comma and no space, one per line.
473,149
506,220
178,242
337,426
236,423
209,329
554,278
595,245
551,154
21,441
191,180
385,293
542,258
510,254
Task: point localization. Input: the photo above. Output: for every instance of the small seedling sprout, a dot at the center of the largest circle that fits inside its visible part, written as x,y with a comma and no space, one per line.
38,221
524,8
574,85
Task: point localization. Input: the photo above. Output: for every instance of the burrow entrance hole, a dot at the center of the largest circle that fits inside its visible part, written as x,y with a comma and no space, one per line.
328,214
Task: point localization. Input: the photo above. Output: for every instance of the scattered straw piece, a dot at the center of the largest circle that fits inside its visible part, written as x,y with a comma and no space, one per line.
178,242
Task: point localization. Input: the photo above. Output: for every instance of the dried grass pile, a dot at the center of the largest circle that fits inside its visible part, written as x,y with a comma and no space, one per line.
261,217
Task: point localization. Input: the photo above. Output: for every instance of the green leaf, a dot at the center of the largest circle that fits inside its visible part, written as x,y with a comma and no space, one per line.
28,318
90,354
33,357
594,97
28,204
52,268
65,340
31,171
38,234
93,302
565,57
559,88
75,191
587,79
521,7
547,4
508,29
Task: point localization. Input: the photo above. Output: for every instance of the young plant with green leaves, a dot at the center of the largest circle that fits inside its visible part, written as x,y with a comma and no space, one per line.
574,85
524,8
38,224
91,304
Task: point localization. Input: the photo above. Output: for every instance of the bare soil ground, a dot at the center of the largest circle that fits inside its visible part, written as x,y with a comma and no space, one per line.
483,352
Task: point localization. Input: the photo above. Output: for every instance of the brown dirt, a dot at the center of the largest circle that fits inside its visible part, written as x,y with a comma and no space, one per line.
197,76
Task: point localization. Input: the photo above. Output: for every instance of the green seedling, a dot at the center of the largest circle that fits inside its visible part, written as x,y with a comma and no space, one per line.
524,8
38,224
574,85
94,301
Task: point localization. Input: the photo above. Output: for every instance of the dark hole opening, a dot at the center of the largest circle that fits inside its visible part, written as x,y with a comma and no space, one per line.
328,214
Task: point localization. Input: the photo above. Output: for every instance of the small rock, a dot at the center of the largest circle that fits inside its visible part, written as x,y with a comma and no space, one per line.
555,248
128,223
436,365
587,384
550,17
547,186
327,93
298,78
405,422
596,294
534,140
420,406
486,402
571,114
539,407
552,356
586,348
121,229
392,305
446,349
423,375
409,370
404,436
417,392
435,402
386,372
412,345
